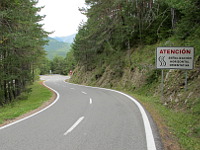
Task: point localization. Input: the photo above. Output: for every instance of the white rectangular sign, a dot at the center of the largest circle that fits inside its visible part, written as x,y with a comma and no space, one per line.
175,57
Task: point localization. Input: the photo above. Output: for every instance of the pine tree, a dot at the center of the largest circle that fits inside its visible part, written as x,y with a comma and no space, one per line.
21,41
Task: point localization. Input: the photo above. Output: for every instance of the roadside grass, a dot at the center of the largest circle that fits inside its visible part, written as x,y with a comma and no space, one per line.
171,124
28,101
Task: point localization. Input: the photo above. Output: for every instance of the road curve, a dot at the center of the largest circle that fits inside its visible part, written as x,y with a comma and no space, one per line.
83,118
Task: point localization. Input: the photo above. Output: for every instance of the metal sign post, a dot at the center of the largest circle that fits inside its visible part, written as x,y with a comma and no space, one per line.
162,86
186,76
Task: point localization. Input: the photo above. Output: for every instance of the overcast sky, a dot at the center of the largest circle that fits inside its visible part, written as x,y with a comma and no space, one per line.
62,16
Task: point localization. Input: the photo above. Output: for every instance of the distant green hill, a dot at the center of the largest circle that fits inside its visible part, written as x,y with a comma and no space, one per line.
67,39
56,48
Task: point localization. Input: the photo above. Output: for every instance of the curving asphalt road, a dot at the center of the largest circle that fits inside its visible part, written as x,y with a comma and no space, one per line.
83,118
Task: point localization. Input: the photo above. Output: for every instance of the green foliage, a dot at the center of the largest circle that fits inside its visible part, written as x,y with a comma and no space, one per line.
45,66
186,16
58,65
21,42
119,25
98,74
26,102
69,61
153,76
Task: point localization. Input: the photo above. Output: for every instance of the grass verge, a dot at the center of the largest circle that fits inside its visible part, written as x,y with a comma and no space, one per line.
174,127
28,101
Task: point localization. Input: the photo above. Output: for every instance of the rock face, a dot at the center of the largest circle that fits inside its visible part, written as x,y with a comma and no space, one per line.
137,78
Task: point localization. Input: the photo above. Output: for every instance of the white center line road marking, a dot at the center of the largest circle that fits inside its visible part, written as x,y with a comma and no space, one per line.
148,131
74,125
72,88
83,92
90,101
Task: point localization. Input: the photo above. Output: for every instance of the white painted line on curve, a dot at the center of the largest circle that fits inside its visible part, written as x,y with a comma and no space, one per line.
58,96
74,125
148,131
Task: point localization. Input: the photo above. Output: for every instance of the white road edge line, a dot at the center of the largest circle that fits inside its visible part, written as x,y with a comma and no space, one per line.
74,125
83,92
90,100
58,96
148,131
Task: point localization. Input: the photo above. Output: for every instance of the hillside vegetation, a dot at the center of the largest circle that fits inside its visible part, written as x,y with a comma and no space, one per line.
115,48
56,51
56,48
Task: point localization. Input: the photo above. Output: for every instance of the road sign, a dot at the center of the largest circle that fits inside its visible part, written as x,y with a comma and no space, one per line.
175,57
70,72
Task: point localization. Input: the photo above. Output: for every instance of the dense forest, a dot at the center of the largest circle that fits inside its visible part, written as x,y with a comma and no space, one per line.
21,46
115,26
120,28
